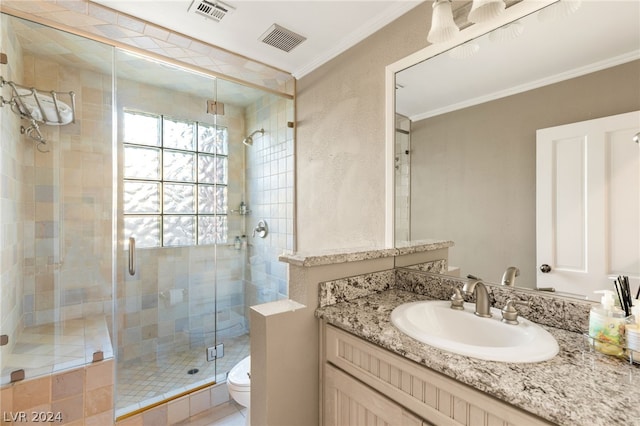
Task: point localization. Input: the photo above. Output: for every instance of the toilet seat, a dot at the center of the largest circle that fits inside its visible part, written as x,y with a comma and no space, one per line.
239,377
239,383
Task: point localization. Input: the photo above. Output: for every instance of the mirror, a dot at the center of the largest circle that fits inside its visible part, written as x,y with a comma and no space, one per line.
466,122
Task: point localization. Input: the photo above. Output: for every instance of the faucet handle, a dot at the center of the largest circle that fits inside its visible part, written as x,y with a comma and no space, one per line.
457,302
509,312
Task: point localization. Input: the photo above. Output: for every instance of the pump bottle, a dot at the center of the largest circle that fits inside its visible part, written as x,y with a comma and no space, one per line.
607,325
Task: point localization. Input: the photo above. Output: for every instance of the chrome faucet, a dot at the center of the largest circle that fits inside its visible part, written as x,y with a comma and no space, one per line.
482,297
509,276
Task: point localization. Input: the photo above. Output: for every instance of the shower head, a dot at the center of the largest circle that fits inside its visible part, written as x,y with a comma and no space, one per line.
248,141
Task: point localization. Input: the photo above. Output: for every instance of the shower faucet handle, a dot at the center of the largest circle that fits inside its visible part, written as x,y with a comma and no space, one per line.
261,229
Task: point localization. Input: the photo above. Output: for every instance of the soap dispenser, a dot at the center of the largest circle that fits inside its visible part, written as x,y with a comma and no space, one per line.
632,333
607,324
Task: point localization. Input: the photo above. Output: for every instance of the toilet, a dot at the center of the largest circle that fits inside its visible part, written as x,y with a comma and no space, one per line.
239,384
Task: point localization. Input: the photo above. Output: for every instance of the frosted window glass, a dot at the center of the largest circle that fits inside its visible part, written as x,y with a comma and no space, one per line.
145,229
175,177
142,129
213,140
178,134
179,230
141,197
179,166
212,229
179,198
212,169
212,199
141,163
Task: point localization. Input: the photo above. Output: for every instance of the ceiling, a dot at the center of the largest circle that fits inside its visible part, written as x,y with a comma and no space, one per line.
330,26
78,52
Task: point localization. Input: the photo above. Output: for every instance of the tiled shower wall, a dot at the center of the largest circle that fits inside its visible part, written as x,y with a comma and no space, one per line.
270,186
69,202
56,215
152,325
403,178
12,161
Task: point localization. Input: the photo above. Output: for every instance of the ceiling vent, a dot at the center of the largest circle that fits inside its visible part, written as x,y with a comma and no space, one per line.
215,10
281,38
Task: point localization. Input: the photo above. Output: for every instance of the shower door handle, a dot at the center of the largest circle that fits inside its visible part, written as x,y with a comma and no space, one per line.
132,256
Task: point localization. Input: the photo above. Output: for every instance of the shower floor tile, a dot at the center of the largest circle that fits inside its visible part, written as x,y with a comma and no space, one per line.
143,383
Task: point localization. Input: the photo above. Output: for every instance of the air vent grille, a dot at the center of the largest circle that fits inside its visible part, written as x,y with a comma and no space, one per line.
281,38
215,10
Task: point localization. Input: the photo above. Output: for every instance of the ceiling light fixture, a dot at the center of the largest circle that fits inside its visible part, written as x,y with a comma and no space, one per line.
485,10
443,27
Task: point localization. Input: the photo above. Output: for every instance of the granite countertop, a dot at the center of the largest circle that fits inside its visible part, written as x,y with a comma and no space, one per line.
330,257
576,387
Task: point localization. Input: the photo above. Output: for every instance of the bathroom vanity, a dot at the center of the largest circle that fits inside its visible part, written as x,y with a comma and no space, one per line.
372,372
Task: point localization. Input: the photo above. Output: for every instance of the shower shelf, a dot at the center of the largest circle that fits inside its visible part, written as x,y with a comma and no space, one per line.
39,107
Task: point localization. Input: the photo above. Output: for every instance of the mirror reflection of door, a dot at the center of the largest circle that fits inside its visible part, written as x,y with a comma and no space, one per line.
588,204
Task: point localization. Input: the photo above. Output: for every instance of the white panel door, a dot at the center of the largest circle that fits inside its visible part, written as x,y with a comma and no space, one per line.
588,204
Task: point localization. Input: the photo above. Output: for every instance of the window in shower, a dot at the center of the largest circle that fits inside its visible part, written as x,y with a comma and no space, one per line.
175,181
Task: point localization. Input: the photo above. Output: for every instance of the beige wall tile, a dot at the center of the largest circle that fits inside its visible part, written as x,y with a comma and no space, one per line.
79,422
31,393
70,408
219,394
178,410
199,402
99,375
67,384
6,398
98,401
156,416
132,421
102,419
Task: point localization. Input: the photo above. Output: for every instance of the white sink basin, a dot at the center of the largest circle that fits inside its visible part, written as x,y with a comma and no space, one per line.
464,333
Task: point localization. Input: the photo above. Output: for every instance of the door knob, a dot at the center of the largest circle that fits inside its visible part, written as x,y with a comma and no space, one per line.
545,268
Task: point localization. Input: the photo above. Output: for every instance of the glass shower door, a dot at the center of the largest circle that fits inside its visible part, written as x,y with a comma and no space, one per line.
57,204
173,176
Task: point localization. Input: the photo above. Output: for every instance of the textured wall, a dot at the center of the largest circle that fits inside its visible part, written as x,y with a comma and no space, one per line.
340,139
481,177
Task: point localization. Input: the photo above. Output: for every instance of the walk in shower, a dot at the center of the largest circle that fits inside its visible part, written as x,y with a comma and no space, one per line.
143,229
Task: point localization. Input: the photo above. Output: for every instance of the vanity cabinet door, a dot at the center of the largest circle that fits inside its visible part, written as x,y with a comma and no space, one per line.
361,377
348,402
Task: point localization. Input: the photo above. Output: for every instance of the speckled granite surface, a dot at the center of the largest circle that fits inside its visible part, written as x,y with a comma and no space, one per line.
354,255
577,387
351,288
